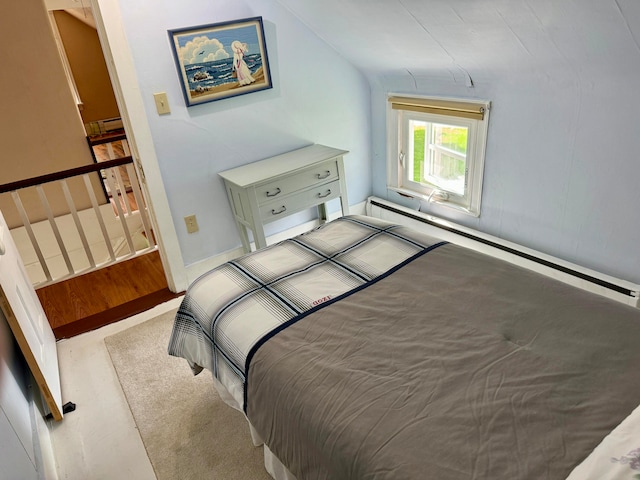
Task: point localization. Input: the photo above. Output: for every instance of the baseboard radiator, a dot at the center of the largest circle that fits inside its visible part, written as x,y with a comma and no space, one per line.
101,127
620,290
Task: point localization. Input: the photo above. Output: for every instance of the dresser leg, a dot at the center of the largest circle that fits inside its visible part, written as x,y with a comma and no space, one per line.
322,212
244,237
259,238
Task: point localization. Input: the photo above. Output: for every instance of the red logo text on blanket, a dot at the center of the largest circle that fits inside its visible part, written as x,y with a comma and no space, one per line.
321,300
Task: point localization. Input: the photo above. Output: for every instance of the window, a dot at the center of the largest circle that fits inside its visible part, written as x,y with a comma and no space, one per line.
437,150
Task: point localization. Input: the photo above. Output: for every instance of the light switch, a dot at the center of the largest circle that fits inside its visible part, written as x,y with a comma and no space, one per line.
162,103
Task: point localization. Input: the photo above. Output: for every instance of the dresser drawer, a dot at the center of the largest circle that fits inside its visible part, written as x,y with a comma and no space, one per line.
316,175
299,201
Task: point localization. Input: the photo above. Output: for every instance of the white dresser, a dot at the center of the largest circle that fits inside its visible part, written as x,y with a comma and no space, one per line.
270,189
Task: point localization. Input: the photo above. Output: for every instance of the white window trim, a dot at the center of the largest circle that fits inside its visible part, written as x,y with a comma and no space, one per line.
476,155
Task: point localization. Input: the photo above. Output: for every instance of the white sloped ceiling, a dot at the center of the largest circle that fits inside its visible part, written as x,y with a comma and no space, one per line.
478,37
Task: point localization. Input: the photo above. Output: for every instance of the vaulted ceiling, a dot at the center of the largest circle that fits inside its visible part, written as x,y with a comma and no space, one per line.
476,38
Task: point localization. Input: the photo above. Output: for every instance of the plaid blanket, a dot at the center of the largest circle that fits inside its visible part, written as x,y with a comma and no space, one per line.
229,310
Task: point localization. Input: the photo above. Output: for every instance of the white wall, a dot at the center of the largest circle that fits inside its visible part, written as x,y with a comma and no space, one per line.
317,97
562,171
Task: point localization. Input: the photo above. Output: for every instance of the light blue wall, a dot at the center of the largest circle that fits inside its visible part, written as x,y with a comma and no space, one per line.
317,97
562,172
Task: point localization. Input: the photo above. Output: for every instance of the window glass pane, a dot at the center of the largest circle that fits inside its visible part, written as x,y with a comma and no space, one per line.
448,157
438,155
417,135
451,137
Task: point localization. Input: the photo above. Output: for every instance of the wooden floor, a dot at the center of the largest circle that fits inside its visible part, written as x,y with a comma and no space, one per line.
108,295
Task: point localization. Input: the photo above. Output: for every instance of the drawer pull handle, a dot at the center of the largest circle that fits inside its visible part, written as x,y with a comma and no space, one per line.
276,192
325,195
326,174
282,209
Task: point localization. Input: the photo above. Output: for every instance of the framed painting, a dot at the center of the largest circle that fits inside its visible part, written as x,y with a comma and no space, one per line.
221,60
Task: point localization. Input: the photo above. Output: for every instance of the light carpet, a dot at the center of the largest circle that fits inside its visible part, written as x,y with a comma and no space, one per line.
187,430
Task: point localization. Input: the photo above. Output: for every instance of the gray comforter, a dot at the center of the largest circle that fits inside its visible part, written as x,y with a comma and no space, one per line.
458,366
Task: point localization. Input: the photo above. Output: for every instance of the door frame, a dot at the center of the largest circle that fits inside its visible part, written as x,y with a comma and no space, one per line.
121,68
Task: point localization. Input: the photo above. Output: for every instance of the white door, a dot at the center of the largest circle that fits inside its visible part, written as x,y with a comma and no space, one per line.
28,322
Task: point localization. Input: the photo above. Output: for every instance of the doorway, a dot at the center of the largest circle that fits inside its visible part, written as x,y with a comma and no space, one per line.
126,287
117,53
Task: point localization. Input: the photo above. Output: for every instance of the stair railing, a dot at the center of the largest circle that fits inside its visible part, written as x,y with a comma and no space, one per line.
118,210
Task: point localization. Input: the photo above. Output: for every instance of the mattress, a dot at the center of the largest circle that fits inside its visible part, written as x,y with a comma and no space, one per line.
432,358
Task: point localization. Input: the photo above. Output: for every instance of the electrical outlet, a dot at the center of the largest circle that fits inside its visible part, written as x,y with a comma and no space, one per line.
192,224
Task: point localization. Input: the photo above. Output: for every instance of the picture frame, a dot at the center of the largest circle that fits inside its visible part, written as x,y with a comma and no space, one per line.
221,60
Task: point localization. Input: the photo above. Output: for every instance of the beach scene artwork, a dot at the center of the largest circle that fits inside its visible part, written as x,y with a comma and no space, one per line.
221,60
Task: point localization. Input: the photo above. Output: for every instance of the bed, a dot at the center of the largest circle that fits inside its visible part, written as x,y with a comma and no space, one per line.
366,349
